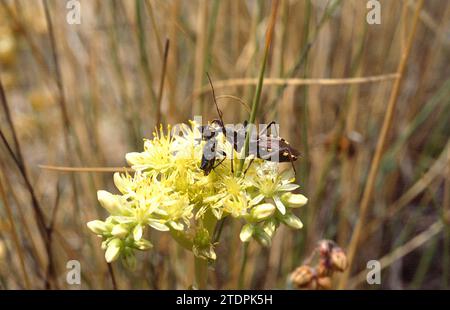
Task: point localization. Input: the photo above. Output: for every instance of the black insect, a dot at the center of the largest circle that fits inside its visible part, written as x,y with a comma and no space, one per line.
208,162
261,145
209,134
272,148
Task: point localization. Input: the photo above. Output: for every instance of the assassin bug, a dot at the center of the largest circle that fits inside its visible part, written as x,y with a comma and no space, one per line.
261,145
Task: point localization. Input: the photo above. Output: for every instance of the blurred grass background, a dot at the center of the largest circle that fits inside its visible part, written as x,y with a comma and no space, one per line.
84,95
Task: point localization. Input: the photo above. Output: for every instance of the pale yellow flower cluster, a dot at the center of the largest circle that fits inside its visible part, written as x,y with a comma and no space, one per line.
169,192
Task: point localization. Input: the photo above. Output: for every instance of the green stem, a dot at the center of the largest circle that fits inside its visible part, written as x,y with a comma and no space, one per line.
257,96
243,266
182,239
201,273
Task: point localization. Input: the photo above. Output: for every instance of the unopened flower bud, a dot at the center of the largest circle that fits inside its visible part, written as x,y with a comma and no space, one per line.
262,238
292,221
262,211
98,227
270,226
137,232
122,183
246,232
119,231
294,200
143,244
109,202
113,250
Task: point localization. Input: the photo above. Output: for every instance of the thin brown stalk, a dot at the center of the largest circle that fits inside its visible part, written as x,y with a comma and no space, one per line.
446,204
422,184
66,121
58,75
19,161
401,251
15,236
113,277
161,83
149,7
429,22
297,82
40,260
387,122
200,48
28,38
85,169
50,274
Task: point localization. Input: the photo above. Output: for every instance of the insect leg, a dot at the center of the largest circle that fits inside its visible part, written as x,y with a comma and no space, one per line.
221,161
232,161
249,164
265,130
286,149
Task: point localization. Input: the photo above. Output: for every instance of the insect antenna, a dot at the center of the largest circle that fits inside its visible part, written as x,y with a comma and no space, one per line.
215,101
222,124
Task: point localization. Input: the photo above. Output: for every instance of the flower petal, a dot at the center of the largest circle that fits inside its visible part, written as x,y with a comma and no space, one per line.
288,187
279,204
137,232
176,226
256,200
288,174
158,225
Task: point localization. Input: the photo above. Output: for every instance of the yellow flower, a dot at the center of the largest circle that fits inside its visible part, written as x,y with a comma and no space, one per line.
168,188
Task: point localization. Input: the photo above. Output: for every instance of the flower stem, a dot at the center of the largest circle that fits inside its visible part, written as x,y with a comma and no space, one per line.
243,266
182,239
201,273
257,96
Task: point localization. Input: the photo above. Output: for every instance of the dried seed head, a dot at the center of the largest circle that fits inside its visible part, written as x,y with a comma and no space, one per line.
302,276
325,247
323,268
338,259
324,283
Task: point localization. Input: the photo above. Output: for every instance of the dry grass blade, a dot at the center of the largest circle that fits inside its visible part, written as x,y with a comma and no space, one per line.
401,251
161,83
387,122
19,161
297,82
15,236
85,169
438,168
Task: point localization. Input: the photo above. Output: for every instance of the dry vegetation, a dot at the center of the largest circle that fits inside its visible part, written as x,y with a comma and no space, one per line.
84,95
